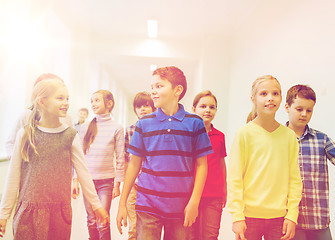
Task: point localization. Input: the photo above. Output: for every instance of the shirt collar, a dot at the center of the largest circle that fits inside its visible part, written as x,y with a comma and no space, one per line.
308,130
213,131
103,117
179,115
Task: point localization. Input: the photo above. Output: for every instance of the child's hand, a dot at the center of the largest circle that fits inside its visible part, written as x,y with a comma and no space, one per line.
102,216
288,229
3,223
75,188
191,213
122,215
116,191
239,228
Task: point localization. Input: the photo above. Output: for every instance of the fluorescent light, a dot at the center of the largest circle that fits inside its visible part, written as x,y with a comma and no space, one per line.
152,28
153,67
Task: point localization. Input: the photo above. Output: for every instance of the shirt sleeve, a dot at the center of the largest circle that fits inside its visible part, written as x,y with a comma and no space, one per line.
84,177
120,154
330,149
201,143
13,180
295,182
126,145
136,145
21,122
235,178
223,152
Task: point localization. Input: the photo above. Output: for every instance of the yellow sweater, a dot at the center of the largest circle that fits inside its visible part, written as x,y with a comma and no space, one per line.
263,174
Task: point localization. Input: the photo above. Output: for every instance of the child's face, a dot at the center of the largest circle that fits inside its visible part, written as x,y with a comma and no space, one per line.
143,110
57,104
162,92
82,116
268,98
98,104
206,108
300,112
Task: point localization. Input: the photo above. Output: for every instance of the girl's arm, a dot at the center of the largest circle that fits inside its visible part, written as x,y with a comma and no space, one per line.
120,160
12,183
191,210
133,169
86,182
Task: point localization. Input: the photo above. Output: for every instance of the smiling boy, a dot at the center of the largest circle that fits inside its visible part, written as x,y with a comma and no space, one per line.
171,141
315,148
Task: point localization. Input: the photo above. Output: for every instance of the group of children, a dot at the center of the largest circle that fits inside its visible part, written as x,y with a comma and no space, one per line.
174,165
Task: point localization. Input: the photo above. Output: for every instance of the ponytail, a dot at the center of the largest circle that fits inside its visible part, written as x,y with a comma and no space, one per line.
89,137
28,142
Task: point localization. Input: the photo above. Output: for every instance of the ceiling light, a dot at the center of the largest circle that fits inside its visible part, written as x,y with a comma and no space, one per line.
152,28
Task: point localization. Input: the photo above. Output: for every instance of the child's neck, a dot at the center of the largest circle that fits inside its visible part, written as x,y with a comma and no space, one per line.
267,122
49,121
299,131
208,126
171,109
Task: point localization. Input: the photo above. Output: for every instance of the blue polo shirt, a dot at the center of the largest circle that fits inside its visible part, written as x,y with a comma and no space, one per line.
170,146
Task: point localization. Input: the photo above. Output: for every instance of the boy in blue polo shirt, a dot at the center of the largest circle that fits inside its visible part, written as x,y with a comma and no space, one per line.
171,141
315,148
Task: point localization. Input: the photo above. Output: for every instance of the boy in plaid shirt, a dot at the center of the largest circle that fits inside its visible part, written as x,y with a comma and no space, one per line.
315,148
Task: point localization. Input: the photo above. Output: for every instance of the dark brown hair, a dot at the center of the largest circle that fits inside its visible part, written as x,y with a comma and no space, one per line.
302,91
143,98
174,75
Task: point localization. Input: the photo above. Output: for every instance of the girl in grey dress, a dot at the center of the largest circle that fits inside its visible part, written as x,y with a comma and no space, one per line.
41,170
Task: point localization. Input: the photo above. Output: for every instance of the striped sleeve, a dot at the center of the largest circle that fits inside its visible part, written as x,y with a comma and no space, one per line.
136,145
119,154
201,143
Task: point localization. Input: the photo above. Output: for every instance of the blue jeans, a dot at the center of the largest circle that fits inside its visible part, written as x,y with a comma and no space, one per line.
302,234
149,227
104,188
207,224
271,229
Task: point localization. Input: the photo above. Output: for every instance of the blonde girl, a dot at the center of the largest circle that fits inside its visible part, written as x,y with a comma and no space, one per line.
214,195
41,170
264,184
103,140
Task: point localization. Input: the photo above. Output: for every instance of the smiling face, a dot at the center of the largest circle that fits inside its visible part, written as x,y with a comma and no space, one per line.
98,104
206,108
300,112
57,104
267,98
163,93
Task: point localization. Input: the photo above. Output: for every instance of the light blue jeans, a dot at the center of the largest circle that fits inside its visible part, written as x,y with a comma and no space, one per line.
104,188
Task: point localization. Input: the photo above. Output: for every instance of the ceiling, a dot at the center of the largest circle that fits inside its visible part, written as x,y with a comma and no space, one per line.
178,20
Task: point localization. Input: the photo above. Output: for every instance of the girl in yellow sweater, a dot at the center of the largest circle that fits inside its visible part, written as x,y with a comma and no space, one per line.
264,183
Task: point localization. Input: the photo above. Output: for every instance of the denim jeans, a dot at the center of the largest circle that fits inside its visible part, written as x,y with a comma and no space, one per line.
104,188
271,229
302,234
207,224
149,227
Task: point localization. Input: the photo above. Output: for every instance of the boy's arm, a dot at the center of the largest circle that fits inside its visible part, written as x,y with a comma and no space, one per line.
191,210
295,183
224,171
330,149
133,169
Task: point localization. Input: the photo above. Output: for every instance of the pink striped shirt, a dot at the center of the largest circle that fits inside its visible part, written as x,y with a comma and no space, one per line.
107,146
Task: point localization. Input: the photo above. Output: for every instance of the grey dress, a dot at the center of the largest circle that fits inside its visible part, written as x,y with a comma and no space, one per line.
44,201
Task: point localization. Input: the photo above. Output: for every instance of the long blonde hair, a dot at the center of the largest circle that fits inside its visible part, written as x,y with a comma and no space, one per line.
42,90
253,114
92,129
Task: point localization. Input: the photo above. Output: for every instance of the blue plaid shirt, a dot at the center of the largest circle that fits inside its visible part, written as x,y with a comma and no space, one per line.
129,133
315,148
